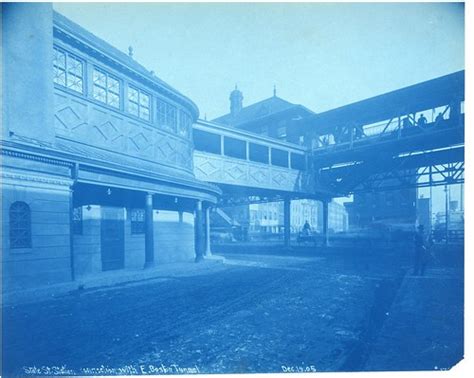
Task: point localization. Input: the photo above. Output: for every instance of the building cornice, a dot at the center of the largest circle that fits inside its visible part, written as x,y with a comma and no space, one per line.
35,178
56,157
39,158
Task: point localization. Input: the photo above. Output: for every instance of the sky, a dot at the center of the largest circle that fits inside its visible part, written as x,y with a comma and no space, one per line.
320,55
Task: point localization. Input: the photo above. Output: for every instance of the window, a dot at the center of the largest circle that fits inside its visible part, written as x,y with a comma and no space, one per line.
207,142
185,123
77,220
258,153
106,88
20,225
68,71
281,132
279,158
235,148
137,217
138,103
166,115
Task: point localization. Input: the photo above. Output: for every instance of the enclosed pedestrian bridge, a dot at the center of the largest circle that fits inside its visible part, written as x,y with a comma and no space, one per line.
249,164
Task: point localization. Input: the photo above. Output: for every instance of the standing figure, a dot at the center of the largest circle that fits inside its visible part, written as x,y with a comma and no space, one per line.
439,119
422,121
306,229
422,251
406,123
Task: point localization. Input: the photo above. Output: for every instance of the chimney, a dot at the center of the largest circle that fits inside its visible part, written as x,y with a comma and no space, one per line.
236,99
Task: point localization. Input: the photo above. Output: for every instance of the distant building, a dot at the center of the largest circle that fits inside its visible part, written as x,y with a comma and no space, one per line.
338,218
274,117
392,207
424,213
268,217
455,219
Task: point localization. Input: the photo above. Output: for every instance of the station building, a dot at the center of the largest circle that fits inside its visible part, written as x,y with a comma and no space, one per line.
97,157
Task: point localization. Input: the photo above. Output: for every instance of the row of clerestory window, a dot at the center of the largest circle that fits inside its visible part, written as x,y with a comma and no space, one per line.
107,89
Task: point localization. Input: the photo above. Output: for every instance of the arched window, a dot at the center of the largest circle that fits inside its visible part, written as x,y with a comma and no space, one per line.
20,225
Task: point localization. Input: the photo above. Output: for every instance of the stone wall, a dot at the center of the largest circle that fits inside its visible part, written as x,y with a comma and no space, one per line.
47,260
134,247
87,258
27,73
174,240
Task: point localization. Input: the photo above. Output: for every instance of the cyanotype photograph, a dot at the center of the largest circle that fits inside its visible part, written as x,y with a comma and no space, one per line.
232,188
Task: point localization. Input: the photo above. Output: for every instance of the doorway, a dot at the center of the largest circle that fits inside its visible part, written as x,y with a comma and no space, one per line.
112,238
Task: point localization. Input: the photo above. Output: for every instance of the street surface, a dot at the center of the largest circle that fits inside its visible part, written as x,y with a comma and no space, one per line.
261,313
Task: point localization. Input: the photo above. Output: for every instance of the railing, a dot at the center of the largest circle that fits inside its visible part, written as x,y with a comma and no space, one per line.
220,169
395,128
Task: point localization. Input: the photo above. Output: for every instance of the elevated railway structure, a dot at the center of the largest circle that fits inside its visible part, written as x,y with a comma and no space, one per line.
409,137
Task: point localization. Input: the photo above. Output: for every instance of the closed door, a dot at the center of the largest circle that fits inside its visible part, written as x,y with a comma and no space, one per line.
112,238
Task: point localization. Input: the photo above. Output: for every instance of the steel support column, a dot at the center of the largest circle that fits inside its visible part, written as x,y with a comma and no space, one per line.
287,220
199,234
325,221
446,215
207,219
149,232
71,232
74,174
